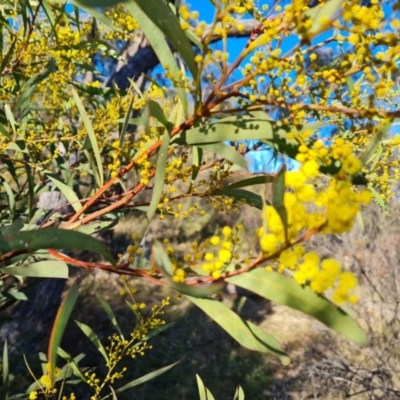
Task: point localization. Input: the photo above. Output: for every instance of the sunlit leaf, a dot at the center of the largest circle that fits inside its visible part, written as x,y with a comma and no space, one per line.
226,152
230,129
57,239
160,46
204,393
256,180
94,339
59,325
67,191
10,196
251,198
158,182
284,290
374,143
239,394
91,136
98,226
163,17
92,8
245,332
157,112
319,13
40,269
10,230
5,367
110,314
278,198
143,379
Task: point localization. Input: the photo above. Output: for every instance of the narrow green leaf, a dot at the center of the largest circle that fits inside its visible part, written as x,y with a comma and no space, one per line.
73,362
209,395
143,379
10,230
92,164
10,118
189,32
160,46
10,196
126,121
58,239
18,146
94,339
245,332
110,314
240,194
23,11
93,10
50,16
114,396
163,17
40,269
161,258
349,82
197,157
91,136
199,291
31,188
360,221
30,87
226,152
9,54
202,388
278,197
378,199
290,147
319,13
158,182
284,290
68,192
377,157
230,129
156,331
374,143
60,323
157,112
239,394
5,367
4,131
256,180
98,226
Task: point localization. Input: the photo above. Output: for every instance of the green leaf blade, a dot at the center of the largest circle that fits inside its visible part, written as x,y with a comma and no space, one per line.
94,339
244,332
60,323
284,290
57,239
160,46
40,269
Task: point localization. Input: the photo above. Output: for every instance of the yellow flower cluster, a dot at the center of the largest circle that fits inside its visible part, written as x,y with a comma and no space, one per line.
221,251
116,156
363,17
121,19
47,384
325,275
332,210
